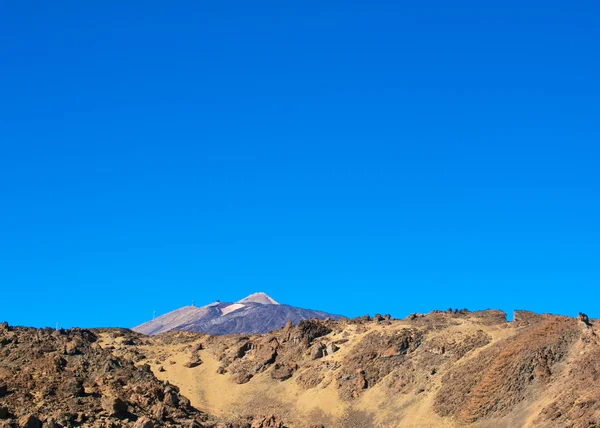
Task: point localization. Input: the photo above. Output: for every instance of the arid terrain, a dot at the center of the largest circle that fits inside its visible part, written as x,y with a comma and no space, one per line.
442,369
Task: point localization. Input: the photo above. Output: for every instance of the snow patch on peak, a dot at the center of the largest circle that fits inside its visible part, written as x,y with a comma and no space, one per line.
231,308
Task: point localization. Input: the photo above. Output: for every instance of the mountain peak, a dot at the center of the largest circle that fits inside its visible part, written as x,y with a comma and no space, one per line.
257,313
260,297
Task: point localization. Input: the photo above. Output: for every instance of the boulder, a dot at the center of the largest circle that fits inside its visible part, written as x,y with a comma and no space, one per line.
72,347
309,330
158,412
331,349
143,422
282,371
266,353
241,377
268,422
584,319
171,398
194,361
114,406
521,318
72,387
242,350
29,421
316,351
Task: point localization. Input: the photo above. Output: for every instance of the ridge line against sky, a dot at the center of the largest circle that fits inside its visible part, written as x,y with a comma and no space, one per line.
353,157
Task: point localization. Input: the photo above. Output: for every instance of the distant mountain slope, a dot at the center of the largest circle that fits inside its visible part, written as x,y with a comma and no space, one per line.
257,313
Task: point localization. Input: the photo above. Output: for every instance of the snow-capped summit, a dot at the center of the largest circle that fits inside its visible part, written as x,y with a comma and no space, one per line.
260,297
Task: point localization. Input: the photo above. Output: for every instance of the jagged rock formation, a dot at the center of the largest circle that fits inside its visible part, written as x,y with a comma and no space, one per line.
257,313
64,378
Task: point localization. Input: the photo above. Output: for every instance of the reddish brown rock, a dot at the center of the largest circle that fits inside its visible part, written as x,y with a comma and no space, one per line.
29,421
241,377
143,422
114,406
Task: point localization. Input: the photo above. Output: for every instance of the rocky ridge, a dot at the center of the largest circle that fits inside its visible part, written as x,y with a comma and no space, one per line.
449,368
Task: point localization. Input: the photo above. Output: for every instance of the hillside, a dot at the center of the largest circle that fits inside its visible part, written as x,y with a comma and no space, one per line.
443,369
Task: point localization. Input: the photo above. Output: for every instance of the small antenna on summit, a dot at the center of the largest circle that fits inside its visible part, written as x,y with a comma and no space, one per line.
57,325
153,314
193,301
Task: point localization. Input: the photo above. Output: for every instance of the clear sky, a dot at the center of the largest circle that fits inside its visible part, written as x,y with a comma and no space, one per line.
354,157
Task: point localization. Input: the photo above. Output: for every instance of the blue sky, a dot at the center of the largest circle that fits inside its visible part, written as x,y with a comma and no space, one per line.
354,157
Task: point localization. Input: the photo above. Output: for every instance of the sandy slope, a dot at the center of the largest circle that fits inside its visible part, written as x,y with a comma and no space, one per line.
439,370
